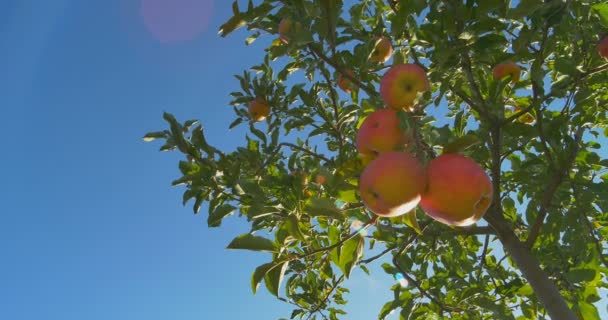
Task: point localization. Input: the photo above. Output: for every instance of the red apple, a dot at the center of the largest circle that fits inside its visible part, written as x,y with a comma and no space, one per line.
401,84
284,28
344,83
505,69
380,132
258,109
383,50
459,191
602,48
392,184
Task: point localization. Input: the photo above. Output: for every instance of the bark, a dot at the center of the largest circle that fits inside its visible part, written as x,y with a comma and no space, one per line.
545,289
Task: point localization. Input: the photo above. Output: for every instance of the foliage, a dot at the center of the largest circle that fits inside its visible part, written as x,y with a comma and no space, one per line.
549,175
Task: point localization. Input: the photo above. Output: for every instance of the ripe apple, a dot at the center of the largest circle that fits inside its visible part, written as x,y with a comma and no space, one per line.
320,179
383,50
602,48
401,84
392,184
505,69
459,191
344,83
380,132
258,109
284,28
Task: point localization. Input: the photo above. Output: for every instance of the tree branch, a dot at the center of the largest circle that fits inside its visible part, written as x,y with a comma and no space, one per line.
324,301
313,154
546,291
342,70
553,185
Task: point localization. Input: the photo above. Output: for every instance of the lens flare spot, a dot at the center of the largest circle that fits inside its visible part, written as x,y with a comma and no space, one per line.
402,280
173,21
358,226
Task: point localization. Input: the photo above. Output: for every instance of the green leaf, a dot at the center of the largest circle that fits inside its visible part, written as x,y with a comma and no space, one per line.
588,311
292,226
461,144
350,254
601,10
259,274
236,22
248,241
151,136
235,123
411,220
274,277
581,275
526,290
215,217
323,207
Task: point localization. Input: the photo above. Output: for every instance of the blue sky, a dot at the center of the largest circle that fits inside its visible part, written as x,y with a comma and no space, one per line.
91,228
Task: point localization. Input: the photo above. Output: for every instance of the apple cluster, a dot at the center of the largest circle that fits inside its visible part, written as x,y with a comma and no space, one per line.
451,188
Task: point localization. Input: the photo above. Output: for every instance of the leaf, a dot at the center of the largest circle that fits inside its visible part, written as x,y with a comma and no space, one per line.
274,277
235,123
215,217
236,22
259,274
323,207
291,224
151,136
411,220
601,10
350,254
461,144
581,275
248,241
588,311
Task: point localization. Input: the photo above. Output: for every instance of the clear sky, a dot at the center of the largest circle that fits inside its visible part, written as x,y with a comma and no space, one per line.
91,228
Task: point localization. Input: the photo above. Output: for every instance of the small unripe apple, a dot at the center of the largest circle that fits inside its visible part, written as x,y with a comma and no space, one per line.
401,84
392,184
383,50
505,69
459,191
526,118
380,132
258,109
602,48
344,83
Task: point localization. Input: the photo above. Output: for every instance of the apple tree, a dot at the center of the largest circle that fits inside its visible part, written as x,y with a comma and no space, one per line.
517,87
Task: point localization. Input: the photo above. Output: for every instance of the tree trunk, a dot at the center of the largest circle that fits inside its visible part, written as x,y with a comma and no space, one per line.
546,291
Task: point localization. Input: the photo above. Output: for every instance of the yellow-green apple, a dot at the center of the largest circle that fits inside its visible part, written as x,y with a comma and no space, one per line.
526,118
505,69
459,191
602,48
380,132
344,83
383,50
392,184
401,84
258,109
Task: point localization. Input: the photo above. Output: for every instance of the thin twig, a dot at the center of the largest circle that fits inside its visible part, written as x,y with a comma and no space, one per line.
482,258
313,154
342,70
331,290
